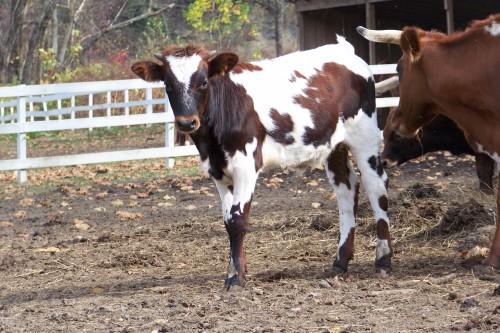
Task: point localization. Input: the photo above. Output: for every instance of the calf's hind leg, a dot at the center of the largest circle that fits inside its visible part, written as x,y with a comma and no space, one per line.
345,184
375,181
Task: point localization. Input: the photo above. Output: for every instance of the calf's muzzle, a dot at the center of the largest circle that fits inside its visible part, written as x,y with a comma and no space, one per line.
187,124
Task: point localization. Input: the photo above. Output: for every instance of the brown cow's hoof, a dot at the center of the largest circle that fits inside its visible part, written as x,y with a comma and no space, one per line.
485,272
235,280
384,263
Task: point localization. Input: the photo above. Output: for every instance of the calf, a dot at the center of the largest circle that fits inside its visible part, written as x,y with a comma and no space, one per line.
292,111
440,134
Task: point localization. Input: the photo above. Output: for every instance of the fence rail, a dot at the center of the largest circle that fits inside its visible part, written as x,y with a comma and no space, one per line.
70,106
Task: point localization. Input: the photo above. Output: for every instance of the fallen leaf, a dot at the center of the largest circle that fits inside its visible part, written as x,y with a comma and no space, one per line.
79,224
312,183
143,195
315,205
6,224
97,290
168,197
20,214
101,195
330,196
191,207
50,249
26,202
123,215
117,203
100,209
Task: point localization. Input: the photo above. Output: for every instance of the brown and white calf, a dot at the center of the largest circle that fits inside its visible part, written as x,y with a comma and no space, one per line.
292,111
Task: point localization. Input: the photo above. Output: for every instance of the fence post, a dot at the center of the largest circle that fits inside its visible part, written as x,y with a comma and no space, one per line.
149,98
21,138
169,136
126,100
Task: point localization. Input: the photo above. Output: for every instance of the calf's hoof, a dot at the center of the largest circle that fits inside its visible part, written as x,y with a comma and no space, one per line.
384,263
339,268
486,272
235,280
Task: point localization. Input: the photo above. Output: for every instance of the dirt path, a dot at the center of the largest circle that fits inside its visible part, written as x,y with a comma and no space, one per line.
132,248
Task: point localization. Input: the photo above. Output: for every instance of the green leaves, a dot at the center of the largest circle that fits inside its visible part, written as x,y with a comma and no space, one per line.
221,19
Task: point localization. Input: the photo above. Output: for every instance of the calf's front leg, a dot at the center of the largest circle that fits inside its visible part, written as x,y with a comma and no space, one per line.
236,197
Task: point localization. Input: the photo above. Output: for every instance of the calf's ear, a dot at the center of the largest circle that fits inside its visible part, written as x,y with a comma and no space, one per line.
148,71
410,43
221,63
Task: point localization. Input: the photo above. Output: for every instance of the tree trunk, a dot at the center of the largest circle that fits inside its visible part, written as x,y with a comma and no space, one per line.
9,51
31,59
278,35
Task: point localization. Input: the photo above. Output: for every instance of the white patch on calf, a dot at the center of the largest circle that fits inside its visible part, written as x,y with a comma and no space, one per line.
183,69
493,29
241,167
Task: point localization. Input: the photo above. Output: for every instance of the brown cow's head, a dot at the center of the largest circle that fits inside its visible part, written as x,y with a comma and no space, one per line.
415,105
186,72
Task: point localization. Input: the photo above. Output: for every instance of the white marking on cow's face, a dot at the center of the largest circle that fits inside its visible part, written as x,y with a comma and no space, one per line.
493,29
183,69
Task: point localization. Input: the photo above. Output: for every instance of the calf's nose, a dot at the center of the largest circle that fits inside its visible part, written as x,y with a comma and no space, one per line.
187,125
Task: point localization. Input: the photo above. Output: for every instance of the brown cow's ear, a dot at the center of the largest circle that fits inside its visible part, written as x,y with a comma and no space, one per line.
221,63
148,71
410,43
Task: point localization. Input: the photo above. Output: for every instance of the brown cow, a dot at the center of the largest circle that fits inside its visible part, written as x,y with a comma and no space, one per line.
457,76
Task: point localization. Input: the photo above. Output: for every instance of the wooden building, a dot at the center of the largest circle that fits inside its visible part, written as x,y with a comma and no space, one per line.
319,20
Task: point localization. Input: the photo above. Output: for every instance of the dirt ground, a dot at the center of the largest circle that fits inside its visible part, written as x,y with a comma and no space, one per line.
132,247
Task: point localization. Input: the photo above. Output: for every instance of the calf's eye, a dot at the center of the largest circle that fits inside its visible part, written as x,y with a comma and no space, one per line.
204,84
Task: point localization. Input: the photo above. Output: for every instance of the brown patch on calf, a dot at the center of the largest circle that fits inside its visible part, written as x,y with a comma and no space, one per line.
283,126
179,51
345,252
376,165
337,163
383,230
332,91
245,67
383,203
356,199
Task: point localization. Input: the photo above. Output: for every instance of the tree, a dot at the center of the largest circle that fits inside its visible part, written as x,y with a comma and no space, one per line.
38,34
222,20
276,8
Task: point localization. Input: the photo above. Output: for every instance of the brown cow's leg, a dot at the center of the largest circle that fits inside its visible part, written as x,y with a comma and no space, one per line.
484,169
490,270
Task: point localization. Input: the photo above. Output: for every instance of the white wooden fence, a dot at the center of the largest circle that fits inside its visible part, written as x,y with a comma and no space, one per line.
70,106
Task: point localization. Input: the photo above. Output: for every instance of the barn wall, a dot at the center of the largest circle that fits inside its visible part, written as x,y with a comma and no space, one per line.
316,27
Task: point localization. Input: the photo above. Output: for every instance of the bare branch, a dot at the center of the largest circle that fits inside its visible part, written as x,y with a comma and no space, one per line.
88,41
119,12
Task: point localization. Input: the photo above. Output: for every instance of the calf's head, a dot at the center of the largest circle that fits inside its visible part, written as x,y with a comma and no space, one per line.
186,73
